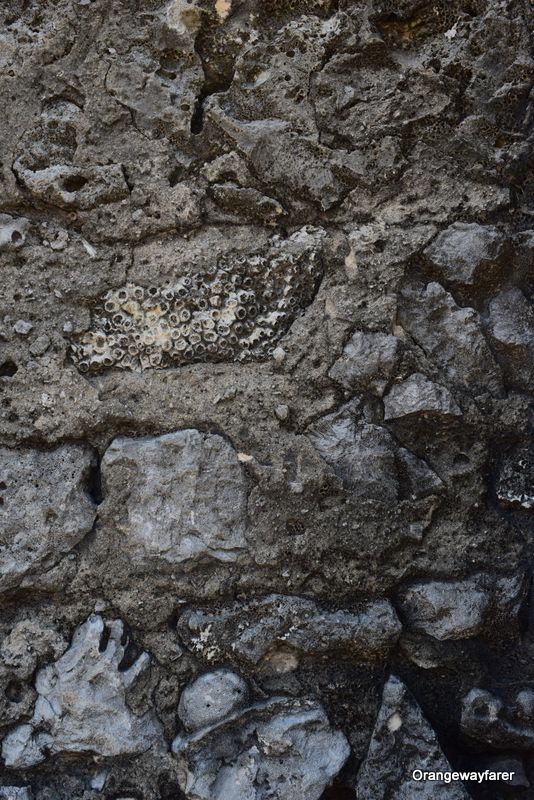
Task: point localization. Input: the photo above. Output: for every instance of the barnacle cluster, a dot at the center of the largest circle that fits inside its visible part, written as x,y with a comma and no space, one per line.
233,311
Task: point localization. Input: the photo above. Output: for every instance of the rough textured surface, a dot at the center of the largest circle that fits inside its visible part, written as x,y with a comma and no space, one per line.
515,481
81,703
281,749
174,498
403,741
210,698
417,395
257,630
488,719
466,253
266,372
461,609
15,793
237,310
45,511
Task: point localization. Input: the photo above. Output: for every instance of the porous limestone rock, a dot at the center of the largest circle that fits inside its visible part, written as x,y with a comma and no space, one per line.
74,187
353,179
45,509
175,498
515,480
451,337
466,252
81,705
403,741
13,232
368,358
281,749
360,453
487,718
418,396
511,332
26,642
461,609
236,310
15,793
210,698
255,630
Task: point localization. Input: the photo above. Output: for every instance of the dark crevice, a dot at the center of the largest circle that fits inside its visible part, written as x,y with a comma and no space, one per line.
8,369
127,180
94,484
218,65
14,691
338,790
104,639
197,120
168,788
131,654
177,172
74,183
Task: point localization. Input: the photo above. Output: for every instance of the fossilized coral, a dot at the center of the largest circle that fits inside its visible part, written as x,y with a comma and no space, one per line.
234,311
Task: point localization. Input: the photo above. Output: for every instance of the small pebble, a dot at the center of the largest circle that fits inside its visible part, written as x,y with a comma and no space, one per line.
22,327
282,412
40,345
60,242
98,781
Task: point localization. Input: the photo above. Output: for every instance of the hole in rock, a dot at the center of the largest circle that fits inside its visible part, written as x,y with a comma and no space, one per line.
14,691
74,182
461,458
131,651
8,369
94,484
337,791
104,639
16,236
131,654
175,176
170,790
295,526
197,120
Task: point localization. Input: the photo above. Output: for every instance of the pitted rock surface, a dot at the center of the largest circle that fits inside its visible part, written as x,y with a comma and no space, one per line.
175,498
45,510
254,631
276,749
210,698
236,311
488,718
402,742
461,609
266,421
15,793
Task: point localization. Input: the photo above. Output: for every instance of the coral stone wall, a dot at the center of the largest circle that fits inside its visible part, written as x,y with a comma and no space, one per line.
266,374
